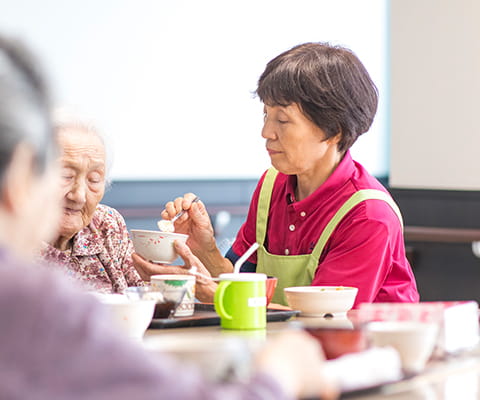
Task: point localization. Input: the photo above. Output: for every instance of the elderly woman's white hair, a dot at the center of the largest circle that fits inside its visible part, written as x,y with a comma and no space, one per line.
65,118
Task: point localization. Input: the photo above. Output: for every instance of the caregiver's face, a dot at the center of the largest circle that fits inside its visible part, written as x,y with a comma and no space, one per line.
294,143
83,178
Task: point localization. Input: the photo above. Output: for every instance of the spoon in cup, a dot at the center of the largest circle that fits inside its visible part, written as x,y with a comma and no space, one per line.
236,268
194,271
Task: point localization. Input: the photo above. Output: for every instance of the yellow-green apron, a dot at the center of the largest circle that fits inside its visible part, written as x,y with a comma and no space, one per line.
299,270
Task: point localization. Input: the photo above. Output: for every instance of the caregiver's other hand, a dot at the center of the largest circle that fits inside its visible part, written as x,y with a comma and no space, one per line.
296,361
204,288
195,222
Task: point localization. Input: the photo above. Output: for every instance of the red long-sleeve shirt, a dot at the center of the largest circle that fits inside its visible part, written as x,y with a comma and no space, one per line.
366,250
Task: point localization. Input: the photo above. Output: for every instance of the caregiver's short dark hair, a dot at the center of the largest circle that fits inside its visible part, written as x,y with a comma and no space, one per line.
24,106
329,83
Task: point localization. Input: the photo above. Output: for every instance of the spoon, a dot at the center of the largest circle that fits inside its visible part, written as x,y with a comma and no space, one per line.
166,225
194,271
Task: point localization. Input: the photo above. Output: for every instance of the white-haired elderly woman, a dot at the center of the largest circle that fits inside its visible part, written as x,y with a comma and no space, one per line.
92,244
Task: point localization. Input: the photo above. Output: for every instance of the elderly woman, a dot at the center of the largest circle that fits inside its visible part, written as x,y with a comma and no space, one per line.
92,242
319,217
57,342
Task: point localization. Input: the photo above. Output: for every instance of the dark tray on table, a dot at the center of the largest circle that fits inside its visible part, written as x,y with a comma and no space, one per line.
205,315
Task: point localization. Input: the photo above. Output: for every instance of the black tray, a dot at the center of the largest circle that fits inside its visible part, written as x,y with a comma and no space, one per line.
205,315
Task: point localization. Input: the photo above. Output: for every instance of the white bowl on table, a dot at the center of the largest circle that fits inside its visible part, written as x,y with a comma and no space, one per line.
219,358
414,341
131,317
156,246
321,301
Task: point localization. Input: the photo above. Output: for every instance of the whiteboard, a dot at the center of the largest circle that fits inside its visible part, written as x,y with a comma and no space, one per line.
171,83
435,75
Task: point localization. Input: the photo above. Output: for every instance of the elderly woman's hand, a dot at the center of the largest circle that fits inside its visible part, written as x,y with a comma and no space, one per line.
195,222
204,288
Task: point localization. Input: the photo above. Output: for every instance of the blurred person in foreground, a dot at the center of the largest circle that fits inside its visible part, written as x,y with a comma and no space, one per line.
318,216
57,342
92,244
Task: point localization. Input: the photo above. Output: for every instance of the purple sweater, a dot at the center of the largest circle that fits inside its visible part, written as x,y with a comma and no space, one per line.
57,343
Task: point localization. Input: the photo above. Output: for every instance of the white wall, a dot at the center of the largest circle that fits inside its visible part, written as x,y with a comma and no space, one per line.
435,94
172,82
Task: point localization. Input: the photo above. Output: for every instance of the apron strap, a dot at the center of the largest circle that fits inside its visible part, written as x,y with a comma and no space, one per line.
355,199
263,206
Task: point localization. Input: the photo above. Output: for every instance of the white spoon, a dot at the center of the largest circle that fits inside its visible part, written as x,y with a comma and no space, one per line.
194,271
236,269
166,225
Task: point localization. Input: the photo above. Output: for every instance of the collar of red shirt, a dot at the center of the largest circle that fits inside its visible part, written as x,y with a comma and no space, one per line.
329,188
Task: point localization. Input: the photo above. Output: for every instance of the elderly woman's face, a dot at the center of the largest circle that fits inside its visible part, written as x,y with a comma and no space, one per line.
83,178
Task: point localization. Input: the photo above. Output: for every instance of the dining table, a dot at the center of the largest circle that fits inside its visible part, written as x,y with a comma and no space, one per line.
450,377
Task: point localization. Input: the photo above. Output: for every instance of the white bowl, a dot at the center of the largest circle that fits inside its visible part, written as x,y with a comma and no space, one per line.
156,246
321,301
220,359
414,341
131,317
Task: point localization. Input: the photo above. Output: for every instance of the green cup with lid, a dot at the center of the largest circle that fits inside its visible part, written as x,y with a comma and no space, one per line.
240,301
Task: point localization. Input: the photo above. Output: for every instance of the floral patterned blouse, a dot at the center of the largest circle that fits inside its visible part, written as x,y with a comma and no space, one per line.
101,254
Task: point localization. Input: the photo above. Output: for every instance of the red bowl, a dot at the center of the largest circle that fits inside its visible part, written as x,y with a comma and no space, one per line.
339,341
271,284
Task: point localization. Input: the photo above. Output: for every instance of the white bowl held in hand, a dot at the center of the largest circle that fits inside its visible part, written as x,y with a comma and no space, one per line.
321,301
130,317
413,340
156,246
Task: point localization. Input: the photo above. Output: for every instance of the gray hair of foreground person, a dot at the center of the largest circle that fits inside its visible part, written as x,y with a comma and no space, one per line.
24,108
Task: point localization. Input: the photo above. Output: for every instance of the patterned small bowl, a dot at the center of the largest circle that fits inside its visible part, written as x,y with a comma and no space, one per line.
156,246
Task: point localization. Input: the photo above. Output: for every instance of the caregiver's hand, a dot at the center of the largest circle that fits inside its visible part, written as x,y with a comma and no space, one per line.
195,222
204,288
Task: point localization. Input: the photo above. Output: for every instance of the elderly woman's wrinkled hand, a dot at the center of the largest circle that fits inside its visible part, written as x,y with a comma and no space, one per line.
205,288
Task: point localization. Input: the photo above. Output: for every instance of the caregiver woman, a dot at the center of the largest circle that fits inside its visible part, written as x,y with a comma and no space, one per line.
320,218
